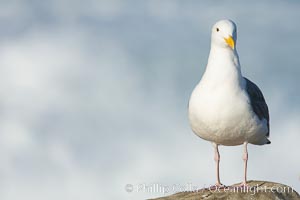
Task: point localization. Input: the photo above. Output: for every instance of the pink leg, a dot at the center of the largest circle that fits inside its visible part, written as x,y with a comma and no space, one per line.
245,158
217,160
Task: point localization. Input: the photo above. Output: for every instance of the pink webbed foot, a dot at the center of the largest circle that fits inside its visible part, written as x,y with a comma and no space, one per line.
217,186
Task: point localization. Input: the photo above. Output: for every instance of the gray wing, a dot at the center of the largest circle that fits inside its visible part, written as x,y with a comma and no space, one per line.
258,102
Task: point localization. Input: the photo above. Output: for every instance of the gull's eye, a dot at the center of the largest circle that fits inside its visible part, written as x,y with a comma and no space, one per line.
217,29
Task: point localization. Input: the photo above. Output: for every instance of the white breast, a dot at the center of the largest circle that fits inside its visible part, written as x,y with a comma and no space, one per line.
222,114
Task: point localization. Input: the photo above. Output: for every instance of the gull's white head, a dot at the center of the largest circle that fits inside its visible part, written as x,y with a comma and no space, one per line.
224,34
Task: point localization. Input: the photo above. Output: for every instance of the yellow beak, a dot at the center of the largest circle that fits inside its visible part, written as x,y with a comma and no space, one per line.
230,41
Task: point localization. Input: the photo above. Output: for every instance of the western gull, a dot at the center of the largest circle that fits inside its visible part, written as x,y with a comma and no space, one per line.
226,108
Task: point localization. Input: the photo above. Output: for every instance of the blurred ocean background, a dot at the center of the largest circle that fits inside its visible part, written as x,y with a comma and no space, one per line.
93,95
